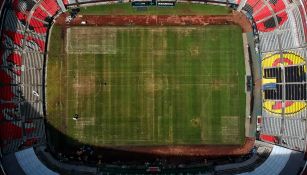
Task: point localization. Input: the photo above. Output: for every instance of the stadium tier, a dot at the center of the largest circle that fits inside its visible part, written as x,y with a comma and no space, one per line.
281,46
24,32
283,56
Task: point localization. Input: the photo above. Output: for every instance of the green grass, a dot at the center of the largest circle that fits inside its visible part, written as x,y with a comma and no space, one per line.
148,86
179,9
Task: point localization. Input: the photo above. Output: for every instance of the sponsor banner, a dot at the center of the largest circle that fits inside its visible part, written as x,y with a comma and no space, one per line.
269,86
268,83
291,107
268,80
143,3
166,3
153,3
275,60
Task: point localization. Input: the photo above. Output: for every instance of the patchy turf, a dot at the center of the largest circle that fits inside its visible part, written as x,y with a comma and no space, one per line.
148,86
179,9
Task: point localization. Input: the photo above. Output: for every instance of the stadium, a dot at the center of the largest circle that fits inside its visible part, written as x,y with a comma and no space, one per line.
153,87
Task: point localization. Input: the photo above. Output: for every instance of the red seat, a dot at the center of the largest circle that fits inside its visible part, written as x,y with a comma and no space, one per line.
51,6
264,13
15,58
39,42
6,93
269,138
38,26
9,131
255,5
16,37
20,16
270,25
4,77
31,141
282,18
278,6
66,2
40,14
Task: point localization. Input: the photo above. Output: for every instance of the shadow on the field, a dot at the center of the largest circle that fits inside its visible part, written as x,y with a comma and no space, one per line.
60,143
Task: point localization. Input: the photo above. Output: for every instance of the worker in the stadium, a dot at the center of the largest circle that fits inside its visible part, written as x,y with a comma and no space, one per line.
75,117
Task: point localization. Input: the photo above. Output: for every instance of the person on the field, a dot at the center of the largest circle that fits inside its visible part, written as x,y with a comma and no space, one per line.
76,117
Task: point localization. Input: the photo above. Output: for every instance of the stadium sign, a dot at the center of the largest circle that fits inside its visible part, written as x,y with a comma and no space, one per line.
269,83
144,3
166,3
153,3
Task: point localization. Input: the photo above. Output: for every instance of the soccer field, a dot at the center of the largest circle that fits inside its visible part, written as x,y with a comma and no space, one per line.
147,86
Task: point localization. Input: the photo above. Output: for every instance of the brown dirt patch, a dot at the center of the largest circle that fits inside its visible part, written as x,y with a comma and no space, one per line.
153,84
194,51
161,20
196,122
217,84
85,85
201,150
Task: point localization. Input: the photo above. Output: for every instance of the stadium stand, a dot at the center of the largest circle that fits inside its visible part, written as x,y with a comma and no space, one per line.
249,165
282,42
275,163
30,164
24,34
269,138
266,159
2,171
283,56
282,29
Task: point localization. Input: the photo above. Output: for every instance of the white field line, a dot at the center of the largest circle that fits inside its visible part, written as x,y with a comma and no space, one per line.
67,96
